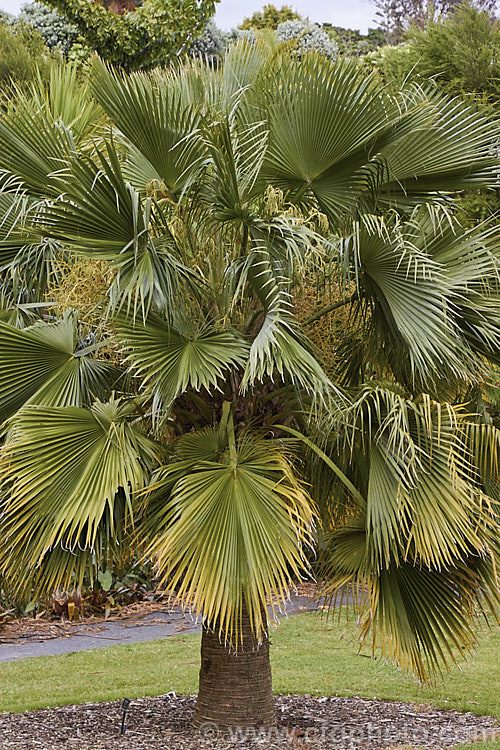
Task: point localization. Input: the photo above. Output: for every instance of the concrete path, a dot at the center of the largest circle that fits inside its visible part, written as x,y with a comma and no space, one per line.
150,627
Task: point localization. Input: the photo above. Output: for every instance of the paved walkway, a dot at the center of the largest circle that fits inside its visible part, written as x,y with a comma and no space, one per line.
150,627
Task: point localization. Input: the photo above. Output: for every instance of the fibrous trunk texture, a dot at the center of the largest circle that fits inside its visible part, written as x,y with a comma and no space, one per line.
235,688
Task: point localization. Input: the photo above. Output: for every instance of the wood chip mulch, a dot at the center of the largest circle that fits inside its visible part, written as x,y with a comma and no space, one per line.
303,723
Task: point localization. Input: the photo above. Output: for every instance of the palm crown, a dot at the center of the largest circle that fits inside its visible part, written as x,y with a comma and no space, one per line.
220,441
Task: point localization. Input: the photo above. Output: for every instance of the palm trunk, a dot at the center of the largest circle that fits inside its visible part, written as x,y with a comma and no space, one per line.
235,689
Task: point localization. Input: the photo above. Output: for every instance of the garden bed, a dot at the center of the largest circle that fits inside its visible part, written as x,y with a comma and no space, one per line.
303,722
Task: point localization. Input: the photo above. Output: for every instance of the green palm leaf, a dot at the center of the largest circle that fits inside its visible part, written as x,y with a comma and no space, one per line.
345,141
408,304
277,348
452,151
42,127
483,442
42,364
471,262
37,269
424,617
13,208
422,497
103,216
236,155
150,112
244,63
422,557
69,100
224,89
63,471
229,528
319,140
29,262
64,568
173,359
421,617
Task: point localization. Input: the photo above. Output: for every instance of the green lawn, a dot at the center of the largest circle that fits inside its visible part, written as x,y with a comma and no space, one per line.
309,655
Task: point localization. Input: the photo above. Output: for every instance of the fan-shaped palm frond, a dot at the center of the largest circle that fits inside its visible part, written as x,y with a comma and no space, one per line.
423,307
451,151
37,269
244,63
421,617
63,470
409,302
101,213
68,98
63,567
228,521
172,359
236,154
43,364
162,128
222,90
277,347
348,144
42,127
427,527
29,263
471,263
320,140
15,209
483,442
103,216
422,496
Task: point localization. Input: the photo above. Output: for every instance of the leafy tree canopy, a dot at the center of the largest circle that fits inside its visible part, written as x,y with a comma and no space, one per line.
55,30
309,36
270,17
460,53
396,15
137,37
211,43
352,42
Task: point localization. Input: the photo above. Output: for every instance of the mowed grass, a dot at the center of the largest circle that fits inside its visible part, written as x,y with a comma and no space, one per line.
310,655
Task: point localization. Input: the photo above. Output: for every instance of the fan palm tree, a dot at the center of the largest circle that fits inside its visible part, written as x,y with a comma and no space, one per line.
217,440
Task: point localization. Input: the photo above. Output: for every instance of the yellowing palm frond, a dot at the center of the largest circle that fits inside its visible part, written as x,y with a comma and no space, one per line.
67,473
423,557
228,526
